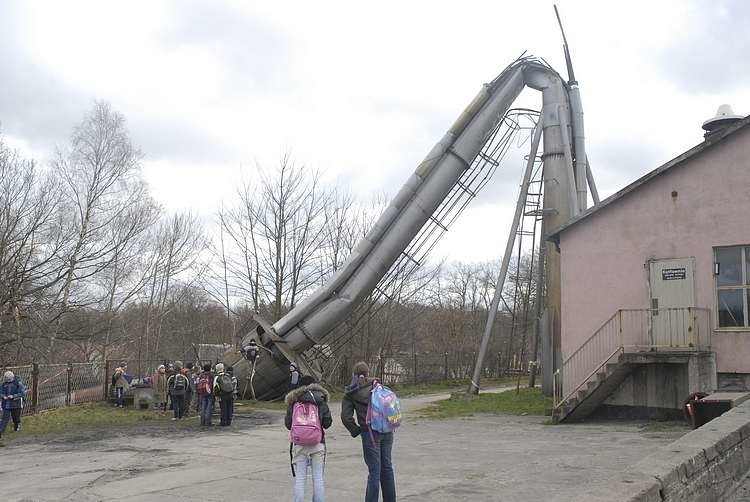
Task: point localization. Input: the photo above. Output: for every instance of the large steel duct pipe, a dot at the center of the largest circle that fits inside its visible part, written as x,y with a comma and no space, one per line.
559,204
412,207
579,147
433,181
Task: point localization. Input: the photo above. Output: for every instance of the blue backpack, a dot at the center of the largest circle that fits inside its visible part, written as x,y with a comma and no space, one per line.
384,410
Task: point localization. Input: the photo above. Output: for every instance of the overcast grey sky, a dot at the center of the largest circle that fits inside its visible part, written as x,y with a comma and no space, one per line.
360,91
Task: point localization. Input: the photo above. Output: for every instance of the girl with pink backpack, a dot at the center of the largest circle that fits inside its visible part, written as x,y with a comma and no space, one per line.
307,416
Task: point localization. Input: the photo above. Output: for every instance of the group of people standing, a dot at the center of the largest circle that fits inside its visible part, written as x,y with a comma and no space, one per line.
376,446
182,387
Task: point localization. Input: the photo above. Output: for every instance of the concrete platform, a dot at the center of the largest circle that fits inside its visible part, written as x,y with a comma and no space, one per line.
483,458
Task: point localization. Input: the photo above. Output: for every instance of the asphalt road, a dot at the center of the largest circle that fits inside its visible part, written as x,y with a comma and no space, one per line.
482,458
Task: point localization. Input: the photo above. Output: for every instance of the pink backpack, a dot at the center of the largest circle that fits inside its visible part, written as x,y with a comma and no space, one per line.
306,427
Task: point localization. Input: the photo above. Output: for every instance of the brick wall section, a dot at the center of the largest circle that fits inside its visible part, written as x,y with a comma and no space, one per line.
702,466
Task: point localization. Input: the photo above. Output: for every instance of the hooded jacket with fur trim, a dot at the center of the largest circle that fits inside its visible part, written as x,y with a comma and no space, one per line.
312,393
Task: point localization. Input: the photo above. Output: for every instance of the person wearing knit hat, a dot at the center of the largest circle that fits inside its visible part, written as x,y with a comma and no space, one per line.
224,389
11,401
177,386
160,387
377,447
121,384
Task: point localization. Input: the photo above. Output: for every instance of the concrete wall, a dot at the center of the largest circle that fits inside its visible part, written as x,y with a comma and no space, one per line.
703,465
658,384
603,256
653,391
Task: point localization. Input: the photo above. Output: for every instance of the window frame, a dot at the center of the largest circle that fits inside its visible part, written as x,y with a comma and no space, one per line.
744,287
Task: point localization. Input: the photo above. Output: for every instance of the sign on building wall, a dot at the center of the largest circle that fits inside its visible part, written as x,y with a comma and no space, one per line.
673,274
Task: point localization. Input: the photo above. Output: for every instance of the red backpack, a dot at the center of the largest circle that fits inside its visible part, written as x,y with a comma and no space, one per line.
204,384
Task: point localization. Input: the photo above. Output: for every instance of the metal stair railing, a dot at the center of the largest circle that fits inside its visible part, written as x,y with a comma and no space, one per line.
685,328
586,361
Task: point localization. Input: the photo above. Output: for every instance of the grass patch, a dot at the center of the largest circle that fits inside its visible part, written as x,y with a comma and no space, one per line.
83,416
417,389
526,402
260,405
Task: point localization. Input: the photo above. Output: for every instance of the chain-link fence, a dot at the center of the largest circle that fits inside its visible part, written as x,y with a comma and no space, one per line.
51,386
405,368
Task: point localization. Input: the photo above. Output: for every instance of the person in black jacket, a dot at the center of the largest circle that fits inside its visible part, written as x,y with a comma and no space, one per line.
314,455
376,446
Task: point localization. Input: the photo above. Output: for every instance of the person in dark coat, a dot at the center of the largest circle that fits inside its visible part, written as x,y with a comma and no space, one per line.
11,401
313,455
376,446
294,376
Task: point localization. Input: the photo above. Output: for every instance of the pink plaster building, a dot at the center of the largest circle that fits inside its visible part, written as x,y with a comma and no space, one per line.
656,284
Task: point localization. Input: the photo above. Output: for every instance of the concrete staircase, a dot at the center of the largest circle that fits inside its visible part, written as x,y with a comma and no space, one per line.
596,390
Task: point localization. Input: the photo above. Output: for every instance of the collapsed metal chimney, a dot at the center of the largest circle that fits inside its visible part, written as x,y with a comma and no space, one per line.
725,117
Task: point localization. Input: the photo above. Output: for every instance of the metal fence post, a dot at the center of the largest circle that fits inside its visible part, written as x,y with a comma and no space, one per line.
34,387
415,367
69,385
105,383
445,366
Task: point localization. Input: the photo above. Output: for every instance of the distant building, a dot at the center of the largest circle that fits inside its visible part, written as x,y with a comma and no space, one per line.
656,284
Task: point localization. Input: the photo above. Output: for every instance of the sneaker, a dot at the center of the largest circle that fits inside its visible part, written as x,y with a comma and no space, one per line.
174,418
17,429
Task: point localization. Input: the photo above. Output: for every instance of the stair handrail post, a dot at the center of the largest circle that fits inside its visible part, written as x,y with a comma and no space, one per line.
556,388
619,328
694,340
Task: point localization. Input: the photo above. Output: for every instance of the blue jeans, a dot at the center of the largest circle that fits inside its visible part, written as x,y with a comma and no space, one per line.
120,396
207,407
300,466
379,465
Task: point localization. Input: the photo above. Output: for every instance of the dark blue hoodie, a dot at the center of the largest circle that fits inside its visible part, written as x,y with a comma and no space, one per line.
16,390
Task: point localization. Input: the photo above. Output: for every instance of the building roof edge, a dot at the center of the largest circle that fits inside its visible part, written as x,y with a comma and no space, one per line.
680,159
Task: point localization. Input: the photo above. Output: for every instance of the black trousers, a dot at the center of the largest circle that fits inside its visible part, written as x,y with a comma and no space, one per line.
227,408
179,405
15,413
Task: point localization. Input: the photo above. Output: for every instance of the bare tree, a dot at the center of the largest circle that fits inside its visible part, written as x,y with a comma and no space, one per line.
100,173
29,243
277,235
175,268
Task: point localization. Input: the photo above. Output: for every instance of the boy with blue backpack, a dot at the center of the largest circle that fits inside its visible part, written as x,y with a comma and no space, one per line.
307,415
378,413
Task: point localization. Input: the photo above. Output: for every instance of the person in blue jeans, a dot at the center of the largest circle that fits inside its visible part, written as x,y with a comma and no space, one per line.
310,455
11,401
376,446
206,396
